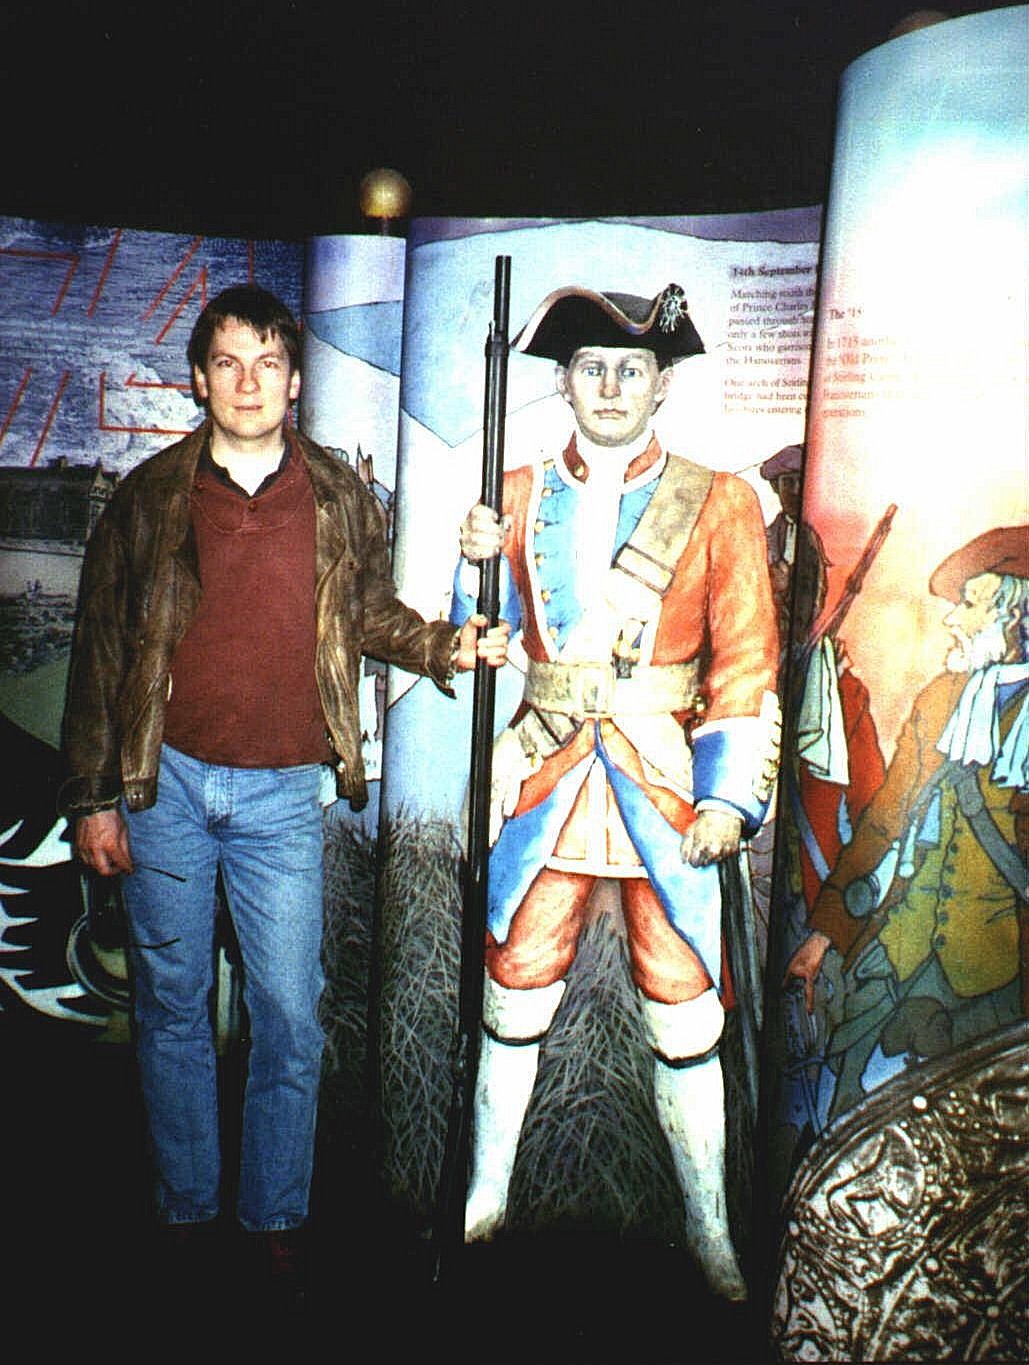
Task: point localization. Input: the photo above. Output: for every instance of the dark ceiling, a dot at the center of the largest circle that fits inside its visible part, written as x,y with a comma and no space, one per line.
259,118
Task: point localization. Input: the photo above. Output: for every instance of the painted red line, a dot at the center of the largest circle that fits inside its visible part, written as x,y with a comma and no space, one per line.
16,402
104,425
173,277
112,251
73,265
50,417
131,382
65,287
36,255
150,431
201,279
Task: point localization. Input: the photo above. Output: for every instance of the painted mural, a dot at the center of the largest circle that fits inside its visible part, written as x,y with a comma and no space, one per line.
350,403
93,377
897,1037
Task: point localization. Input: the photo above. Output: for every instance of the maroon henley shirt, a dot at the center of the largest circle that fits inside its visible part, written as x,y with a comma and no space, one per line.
243,687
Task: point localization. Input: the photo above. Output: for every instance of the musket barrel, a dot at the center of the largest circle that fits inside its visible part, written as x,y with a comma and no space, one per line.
449,1223
855,581
493,425
484,691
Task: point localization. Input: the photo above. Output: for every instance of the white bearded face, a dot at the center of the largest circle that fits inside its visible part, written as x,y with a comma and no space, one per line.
979,626
985,647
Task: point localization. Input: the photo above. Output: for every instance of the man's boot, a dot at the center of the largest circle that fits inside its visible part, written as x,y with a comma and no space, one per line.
514,1022
690,1098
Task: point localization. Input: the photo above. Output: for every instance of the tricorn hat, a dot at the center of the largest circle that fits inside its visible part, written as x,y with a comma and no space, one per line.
1004,550
574,316
786,461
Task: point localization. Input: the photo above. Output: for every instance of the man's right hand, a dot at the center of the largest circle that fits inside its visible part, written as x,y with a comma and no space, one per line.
806,963
482,533
102,842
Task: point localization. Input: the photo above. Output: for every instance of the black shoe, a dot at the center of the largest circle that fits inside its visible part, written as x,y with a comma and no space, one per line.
280,1268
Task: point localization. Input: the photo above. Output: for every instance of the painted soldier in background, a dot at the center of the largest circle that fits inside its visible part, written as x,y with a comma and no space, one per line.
796,556
797,565
927,903
645,745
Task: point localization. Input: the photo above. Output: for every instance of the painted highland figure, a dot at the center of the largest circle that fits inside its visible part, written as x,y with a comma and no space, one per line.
646,743
927,902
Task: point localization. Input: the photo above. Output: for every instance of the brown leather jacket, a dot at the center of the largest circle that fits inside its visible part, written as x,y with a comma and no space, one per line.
138,592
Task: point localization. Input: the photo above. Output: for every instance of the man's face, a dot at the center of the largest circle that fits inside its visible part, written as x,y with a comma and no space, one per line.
614,391
787,486
976,626
247,385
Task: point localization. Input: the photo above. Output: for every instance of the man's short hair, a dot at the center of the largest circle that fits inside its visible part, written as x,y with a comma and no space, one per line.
256,308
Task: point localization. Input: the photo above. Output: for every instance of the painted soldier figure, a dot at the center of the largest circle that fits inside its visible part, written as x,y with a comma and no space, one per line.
797,560
646,743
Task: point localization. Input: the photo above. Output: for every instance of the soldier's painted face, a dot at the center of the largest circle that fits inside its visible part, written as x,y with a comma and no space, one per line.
788,488
614,392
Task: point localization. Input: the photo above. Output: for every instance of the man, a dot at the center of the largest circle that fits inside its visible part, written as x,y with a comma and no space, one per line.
645,744
227,596
795,550
927,901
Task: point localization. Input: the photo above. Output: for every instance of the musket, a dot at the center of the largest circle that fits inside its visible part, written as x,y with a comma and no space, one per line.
829,629
744,967
855,582
448,1229
799,671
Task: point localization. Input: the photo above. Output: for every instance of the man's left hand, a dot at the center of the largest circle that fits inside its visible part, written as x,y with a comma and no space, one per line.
713,837
491,645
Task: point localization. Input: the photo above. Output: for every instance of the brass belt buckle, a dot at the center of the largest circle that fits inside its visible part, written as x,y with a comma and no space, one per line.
594,688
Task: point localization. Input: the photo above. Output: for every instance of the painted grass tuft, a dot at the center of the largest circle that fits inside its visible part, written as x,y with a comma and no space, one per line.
350,861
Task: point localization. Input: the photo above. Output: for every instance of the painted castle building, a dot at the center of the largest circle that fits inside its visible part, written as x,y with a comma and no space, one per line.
59,502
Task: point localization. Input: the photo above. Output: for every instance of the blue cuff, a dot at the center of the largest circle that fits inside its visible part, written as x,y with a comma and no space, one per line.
725,766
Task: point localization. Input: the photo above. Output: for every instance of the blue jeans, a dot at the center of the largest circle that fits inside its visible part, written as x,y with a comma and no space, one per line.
264,827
